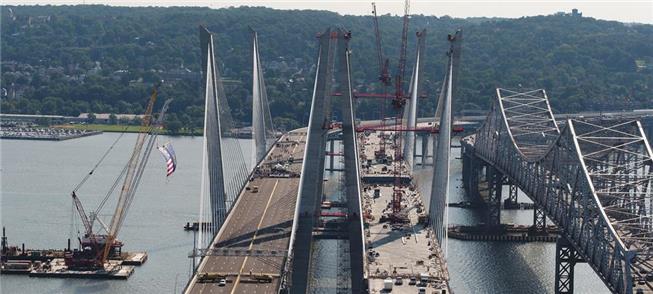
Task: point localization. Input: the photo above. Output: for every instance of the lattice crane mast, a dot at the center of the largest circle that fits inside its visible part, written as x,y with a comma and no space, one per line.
384,77
384,63
97,247
398,104
88,227
400,99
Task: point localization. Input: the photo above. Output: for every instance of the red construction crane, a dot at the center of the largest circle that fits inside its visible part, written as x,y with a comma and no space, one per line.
384,63
398,104
400,100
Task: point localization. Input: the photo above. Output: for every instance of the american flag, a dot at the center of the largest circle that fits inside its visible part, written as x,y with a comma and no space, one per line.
170,158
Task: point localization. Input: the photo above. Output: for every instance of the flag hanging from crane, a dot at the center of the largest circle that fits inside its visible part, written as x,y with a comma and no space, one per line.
170,158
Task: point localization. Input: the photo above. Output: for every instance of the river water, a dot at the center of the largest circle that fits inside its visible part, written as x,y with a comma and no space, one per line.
36,178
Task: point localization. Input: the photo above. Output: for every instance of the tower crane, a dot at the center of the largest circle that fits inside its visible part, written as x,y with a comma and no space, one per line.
398,104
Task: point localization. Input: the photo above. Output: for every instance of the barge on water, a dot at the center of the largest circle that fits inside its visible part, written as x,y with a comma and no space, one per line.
16,260
99,254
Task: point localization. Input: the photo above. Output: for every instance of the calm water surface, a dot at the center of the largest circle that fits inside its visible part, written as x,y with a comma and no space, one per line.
36,178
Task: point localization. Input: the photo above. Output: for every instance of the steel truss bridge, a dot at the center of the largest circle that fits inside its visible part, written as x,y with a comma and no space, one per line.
593,178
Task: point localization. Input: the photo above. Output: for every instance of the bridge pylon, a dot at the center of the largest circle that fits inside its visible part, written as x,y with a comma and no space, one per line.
439,198
333,76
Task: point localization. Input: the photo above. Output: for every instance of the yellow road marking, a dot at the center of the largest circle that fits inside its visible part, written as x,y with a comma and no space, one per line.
251,244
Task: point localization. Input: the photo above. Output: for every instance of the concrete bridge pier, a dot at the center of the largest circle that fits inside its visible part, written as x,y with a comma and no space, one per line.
424,155
333,74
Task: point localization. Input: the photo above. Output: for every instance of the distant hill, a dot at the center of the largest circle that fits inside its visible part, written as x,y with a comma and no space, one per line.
73,59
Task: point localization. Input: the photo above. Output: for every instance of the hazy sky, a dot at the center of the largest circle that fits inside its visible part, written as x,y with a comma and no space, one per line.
625,11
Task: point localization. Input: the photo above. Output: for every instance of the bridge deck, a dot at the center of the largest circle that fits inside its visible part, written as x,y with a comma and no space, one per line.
258,221
401,251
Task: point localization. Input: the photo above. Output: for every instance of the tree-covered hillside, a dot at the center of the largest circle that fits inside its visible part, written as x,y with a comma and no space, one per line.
72,59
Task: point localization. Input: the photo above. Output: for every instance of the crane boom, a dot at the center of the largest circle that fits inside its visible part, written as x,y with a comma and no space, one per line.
88,227
384,75
126,193
398,103
399,96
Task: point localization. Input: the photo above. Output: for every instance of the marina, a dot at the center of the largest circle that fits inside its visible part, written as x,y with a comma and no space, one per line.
48,134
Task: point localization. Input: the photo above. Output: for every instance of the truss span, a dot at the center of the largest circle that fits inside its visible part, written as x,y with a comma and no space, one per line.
594,179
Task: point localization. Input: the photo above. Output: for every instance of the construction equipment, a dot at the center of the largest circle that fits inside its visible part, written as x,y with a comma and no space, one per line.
398,104
400,99
384,77
95,248
384,63
210,277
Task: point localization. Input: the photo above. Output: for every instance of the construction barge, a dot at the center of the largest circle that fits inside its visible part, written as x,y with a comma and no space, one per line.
17,260
403,255
99,254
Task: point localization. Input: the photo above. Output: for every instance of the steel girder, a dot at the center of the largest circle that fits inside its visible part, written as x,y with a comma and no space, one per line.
566,259
593,179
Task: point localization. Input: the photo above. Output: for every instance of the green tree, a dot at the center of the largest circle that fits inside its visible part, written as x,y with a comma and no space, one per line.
173,124
90,118
113,119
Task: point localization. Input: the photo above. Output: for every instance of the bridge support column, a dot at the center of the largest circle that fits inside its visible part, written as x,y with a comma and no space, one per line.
330,75
471,174
495,184
539,220
351,168
332,150
310,184
425,149
511,201
566,258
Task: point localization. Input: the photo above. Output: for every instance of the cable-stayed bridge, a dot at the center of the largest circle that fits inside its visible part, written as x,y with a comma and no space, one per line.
258,220
257,225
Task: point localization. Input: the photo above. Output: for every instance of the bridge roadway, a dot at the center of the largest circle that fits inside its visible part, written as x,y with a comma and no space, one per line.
258,221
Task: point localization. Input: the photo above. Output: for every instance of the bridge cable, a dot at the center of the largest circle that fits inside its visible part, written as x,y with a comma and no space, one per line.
100,161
